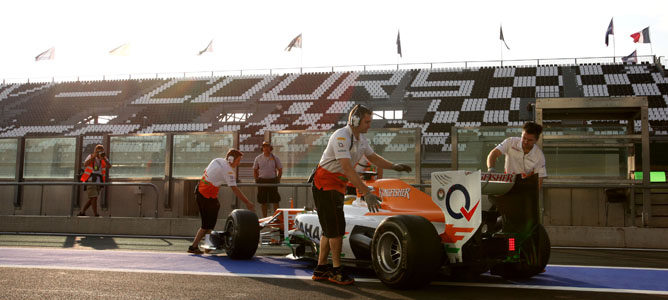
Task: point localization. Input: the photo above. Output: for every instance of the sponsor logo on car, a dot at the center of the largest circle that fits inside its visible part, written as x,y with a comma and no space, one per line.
440,194
311,231
496,177
464,211
395,192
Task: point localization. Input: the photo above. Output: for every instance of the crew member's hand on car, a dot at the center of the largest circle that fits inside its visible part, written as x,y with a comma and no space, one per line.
372,202
401,167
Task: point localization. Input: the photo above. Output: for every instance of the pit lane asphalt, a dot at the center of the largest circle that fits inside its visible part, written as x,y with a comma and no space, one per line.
24,279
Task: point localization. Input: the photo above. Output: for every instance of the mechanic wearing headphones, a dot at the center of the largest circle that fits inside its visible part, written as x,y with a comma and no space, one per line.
335,169
219,171
522,155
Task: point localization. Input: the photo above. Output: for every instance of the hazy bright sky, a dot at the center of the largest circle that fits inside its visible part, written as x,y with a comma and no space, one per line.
165,36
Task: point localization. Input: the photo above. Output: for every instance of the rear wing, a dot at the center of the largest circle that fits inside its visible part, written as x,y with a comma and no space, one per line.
459,195
496,183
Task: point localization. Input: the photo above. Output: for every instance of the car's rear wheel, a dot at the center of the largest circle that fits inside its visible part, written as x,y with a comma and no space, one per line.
242,234
406,251
534,255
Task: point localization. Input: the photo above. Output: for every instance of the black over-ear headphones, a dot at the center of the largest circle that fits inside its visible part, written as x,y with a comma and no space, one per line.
356,115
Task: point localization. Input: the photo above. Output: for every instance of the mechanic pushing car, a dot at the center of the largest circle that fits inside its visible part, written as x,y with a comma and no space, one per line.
219,171
336,168
522,155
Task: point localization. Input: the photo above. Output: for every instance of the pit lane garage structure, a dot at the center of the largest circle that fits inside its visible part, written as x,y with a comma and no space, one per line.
165,129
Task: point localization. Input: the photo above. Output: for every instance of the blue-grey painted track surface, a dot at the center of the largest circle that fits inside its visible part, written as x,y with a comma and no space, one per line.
275,276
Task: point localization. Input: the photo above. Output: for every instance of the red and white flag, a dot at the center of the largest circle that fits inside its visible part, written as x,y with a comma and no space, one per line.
641,36
295,43
47,55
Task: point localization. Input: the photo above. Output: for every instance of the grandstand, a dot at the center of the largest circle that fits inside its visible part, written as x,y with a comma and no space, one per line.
426,105
432,99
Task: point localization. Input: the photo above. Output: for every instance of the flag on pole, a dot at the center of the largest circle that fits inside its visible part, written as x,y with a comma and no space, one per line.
641,36
295,43
631,58
501,37
609,32
47,55
399,45
208,48
122,50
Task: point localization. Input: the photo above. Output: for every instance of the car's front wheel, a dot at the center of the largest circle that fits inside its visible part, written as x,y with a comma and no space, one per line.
242,234
406,251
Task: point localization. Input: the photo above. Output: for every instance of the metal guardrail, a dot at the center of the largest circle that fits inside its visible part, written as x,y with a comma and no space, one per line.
71,183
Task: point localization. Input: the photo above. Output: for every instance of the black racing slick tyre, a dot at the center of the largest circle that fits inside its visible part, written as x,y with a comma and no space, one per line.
242,234
534,255
406,251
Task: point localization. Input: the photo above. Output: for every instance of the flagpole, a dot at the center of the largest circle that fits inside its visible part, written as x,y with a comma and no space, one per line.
501,47
650,42
614,49
650,48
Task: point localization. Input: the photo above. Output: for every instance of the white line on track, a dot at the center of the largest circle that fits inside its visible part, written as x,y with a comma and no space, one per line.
608,267
608,248
556,288
368,280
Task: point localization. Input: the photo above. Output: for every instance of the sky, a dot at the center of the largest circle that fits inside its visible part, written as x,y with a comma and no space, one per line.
165,36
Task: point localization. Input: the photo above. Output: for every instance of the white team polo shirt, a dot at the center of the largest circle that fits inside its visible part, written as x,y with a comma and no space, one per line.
517,162
338,146
219,171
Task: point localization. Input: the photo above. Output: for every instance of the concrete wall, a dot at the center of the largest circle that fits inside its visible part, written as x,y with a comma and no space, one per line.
616,237
583,207
102,225
7,194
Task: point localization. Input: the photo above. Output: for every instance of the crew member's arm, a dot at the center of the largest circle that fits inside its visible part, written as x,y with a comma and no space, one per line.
380,161
108,162
492,157
256,170
383,163
280,173
355,180
279,168
243,198
90,159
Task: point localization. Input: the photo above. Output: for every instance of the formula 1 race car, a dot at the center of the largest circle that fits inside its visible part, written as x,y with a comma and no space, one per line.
415,235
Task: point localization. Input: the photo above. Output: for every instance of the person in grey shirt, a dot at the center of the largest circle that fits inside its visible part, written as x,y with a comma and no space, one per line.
267,168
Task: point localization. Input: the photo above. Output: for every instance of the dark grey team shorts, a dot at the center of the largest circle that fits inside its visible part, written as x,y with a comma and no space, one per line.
208,210
329,205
